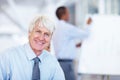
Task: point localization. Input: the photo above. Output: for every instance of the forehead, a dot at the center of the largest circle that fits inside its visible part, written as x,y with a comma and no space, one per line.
42,29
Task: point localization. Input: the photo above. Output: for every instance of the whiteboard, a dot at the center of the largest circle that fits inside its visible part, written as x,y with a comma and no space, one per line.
100,52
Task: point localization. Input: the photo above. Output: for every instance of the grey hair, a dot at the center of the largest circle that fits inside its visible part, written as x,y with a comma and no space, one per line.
43,21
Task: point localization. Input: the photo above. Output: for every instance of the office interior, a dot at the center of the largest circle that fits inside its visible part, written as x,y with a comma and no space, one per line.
16,15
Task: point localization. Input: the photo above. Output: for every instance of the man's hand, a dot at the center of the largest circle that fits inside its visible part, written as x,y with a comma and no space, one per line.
89,21
78,45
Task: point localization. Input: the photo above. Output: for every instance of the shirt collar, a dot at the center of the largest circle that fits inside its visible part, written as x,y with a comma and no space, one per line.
42,55
30,53
62,21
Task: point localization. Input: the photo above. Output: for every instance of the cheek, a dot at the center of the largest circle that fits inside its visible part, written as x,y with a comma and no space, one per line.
48,40
35,36
32,38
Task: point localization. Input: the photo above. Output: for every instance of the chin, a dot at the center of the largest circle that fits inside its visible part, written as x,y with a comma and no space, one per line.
39,48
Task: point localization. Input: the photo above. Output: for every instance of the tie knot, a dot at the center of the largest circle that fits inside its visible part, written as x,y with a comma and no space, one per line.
36,60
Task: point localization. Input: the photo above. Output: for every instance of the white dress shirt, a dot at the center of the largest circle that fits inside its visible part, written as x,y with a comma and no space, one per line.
17,64
64,39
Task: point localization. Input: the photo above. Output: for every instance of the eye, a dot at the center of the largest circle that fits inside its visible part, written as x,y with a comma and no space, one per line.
46,35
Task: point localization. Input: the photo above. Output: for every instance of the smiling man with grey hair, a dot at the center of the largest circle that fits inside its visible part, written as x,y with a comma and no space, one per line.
31,61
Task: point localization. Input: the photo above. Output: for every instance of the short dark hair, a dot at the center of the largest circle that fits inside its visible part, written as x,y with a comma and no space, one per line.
60,11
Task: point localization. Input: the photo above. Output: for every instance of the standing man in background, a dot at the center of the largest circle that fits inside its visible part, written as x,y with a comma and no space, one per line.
64,41
31,61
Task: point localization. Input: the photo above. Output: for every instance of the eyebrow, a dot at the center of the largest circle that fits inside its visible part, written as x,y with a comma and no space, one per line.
41,31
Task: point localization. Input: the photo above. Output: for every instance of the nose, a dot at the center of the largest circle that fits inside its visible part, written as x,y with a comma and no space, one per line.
41,37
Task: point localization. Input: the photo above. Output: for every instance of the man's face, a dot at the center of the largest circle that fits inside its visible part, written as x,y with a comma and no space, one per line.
67,15
39,38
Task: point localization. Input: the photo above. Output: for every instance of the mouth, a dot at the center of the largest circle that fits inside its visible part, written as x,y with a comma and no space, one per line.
41,43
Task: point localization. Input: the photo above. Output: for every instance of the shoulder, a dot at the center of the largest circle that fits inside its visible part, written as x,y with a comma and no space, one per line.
69,26
11,51
49,57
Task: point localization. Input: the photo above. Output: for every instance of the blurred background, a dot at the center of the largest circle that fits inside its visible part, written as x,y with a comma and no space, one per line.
16,15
